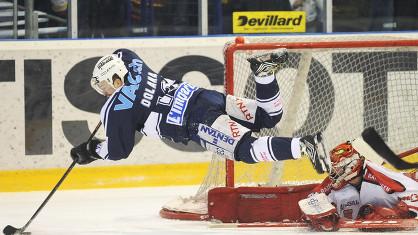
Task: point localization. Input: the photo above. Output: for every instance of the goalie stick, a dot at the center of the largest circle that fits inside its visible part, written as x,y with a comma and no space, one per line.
384,224
372,145
10,230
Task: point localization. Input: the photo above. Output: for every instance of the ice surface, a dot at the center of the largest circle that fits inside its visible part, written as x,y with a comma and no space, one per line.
125,211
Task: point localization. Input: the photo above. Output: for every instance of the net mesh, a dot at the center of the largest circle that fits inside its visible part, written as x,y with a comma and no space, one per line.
336,90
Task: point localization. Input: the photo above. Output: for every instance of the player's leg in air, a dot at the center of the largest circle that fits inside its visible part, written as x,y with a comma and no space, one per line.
228,123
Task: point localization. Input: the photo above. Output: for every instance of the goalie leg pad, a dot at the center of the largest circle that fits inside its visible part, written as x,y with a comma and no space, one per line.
222,136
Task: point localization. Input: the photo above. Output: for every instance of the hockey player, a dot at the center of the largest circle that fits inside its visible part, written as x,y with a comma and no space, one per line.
141,100
359,189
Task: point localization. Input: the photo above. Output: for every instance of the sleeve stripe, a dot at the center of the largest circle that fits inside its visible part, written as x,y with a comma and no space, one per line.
253,155
269,99
270,149
275,113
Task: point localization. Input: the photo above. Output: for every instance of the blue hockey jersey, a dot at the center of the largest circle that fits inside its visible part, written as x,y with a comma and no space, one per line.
147,102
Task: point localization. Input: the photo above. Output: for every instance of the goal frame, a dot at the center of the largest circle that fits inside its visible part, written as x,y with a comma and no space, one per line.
226,173
240,44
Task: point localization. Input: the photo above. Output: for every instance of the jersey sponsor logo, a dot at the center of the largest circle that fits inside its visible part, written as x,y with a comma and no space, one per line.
349,203
126,97
136,66
233,126
217,136
181,100
412,198
388,184
243,108
128,91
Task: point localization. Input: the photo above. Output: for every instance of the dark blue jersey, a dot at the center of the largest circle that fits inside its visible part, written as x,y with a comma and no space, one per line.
148,103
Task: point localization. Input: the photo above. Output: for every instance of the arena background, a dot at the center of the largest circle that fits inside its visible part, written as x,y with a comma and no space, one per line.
48,106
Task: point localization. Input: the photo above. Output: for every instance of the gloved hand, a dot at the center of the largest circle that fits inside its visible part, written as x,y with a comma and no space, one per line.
370,212
319,212
85,152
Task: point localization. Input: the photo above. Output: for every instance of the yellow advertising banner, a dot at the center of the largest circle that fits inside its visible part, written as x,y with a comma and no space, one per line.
269,22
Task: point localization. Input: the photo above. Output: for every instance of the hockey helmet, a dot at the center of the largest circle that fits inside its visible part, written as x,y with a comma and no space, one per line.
105,69
346,164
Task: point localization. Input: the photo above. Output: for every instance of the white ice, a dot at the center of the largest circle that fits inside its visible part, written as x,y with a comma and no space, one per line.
126,211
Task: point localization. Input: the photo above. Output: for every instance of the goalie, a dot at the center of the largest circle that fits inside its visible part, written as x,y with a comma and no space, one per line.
141,100
359,189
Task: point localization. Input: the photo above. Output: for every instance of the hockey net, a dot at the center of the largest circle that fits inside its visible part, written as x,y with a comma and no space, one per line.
335,84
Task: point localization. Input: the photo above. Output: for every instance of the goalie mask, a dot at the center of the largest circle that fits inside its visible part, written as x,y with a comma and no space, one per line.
104,72
346,164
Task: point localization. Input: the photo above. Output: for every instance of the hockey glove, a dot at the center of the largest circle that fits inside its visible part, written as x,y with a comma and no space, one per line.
320,213
370,212
85,152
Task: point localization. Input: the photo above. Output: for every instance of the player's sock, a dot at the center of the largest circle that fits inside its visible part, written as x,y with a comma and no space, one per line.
264,67
265,149
268,97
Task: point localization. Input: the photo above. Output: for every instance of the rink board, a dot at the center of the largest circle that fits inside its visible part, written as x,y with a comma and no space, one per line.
140,176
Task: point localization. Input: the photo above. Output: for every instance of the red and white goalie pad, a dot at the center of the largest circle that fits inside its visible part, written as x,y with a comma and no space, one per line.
319,212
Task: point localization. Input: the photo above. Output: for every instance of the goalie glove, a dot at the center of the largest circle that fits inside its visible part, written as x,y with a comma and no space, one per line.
370,212
85,153
319,212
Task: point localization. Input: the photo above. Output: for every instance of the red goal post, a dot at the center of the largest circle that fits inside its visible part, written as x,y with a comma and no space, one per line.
335,84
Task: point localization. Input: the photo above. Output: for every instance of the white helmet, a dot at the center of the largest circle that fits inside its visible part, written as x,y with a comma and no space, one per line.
105,69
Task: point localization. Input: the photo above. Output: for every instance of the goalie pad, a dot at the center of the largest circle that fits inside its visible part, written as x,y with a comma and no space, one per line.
319,212
370,212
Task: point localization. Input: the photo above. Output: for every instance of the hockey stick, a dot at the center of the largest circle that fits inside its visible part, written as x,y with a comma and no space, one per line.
370,144
384,224
10,230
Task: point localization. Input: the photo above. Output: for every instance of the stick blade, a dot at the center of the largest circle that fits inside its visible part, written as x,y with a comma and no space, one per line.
373,139
10,230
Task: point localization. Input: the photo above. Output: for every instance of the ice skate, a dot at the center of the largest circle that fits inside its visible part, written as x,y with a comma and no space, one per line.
267,63
309,147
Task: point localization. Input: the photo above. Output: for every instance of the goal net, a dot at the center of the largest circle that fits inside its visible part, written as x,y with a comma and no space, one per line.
335,84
